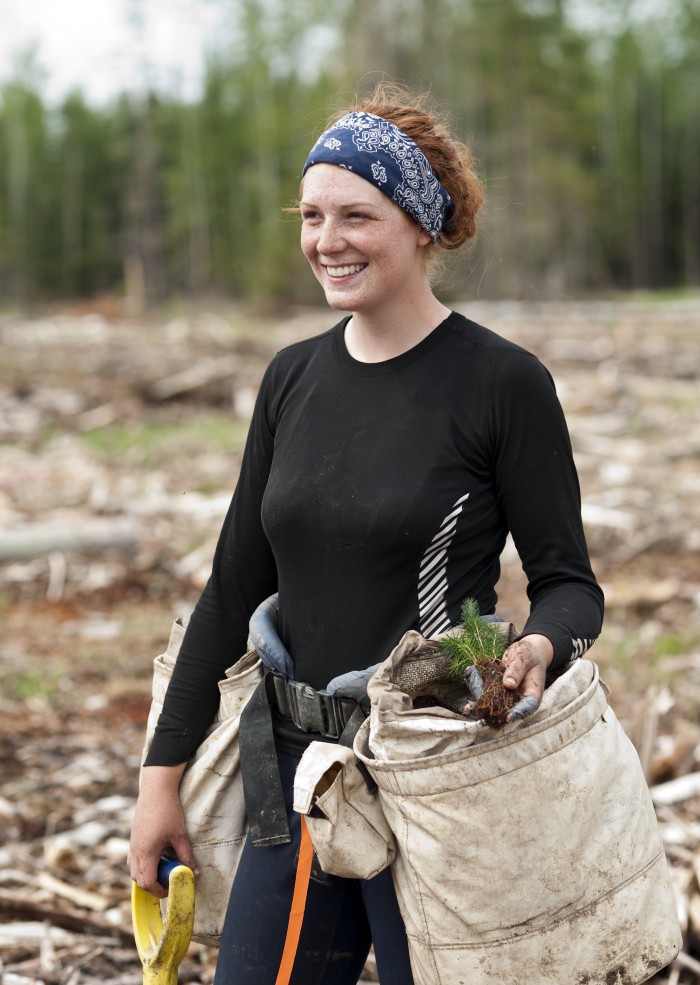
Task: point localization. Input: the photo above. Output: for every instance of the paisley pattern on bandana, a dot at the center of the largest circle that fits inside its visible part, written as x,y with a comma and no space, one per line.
379,152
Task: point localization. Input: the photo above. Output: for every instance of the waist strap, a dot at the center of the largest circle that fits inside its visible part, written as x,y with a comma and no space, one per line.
331,717
310,710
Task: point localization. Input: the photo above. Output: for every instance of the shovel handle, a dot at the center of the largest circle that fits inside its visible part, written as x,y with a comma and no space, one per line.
165,867
162,930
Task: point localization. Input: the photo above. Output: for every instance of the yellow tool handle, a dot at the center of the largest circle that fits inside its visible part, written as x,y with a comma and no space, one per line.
162,945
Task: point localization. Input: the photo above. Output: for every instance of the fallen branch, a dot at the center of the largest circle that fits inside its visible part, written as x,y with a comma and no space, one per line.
685,961
77,921
89,535
675,791
74,894
192,378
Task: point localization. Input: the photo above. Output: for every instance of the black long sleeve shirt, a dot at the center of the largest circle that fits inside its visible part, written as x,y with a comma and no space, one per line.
375,498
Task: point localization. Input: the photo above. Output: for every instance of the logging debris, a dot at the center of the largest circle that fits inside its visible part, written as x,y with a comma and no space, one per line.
119,445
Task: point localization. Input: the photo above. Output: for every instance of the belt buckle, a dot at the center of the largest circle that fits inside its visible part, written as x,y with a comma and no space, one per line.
308,708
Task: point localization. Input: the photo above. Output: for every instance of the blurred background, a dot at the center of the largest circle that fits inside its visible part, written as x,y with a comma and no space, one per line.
147,147
148,273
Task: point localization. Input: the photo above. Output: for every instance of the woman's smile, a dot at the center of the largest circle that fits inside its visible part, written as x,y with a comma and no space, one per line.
341,272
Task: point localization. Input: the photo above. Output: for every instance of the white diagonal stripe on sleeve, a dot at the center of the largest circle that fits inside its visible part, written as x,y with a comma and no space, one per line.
579,647
428,604
439,542
429,563
440,625
450,516
429,586
432,577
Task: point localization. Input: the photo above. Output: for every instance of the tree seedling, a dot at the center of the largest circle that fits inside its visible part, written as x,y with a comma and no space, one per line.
481,645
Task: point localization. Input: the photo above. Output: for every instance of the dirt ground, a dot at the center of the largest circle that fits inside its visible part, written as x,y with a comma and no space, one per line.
120,440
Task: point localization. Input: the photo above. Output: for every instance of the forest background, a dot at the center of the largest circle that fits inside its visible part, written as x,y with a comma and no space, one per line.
585,120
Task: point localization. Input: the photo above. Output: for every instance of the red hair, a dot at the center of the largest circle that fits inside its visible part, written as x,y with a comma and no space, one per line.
451,159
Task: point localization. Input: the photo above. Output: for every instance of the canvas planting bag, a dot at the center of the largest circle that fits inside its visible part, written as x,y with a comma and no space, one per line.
211,789
531,854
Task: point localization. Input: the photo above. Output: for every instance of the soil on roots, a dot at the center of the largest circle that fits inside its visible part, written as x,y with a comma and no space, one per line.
495,700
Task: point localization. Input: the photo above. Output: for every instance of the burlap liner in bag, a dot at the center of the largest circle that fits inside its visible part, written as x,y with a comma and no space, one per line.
211,789
531,854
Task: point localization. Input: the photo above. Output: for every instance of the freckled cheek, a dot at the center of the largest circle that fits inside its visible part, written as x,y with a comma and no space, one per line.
308,246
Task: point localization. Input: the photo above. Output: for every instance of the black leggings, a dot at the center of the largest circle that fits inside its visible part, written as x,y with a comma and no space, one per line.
342,918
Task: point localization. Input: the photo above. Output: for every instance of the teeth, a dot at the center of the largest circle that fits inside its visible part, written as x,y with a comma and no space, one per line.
344,271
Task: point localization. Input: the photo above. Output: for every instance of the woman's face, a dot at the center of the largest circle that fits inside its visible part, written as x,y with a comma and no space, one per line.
364,250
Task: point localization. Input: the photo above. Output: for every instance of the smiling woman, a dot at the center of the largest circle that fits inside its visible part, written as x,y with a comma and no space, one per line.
387,461
387,189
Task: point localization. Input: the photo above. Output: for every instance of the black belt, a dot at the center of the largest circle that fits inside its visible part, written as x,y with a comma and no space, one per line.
331,717
308,709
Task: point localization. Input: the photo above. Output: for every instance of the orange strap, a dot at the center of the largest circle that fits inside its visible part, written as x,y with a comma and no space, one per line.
296,914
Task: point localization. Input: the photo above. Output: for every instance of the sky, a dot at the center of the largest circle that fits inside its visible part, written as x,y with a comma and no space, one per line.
109,46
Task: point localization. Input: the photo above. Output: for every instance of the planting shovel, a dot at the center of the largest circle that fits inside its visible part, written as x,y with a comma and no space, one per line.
163,945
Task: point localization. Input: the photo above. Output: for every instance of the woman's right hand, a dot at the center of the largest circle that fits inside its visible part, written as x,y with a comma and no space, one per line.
159,826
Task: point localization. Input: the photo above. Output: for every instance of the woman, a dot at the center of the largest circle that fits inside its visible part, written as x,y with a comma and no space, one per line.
386,463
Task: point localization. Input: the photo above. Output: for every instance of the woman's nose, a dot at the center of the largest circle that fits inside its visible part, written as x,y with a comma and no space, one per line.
330,238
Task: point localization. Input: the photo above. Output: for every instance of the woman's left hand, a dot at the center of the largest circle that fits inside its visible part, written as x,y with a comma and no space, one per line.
526,663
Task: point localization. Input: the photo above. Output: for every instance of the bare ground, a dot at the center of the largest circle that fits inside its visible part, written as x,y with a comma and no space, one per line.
119,446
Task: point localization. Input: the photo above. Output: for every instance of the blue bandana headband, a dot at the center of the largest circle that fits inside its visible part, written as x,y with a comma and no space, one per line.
379,152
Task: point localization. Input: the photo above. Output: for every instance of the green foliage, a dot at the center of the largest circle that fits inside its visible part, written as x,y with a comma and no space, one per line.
477,640
18,685
588,138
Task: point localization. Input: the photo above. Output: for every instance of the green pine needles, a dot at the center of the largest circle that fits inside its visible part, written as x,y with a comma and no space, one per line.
478,641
